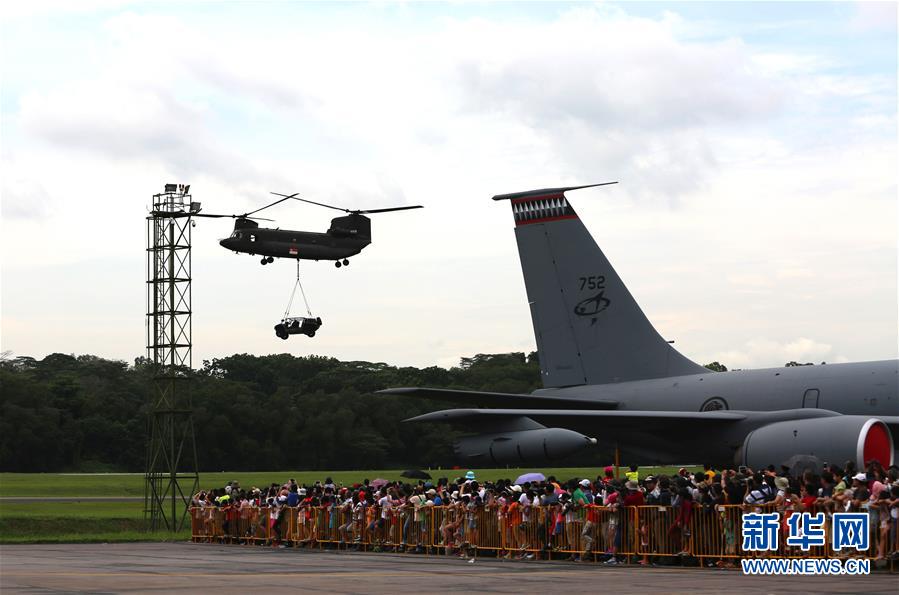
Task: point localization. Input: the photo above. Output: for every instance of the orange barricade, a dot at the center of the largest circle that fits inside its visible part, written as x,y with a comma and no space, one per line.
326,523
713,534
446,521
659,535
197,524
487,533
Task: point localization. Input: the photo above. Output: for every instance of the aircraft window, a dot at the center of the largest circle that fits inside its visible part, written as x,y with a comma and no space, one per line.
252,237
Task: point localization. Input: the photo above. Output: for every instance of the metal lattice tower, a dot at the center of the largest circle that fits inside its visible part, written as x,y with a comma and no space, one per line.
172,475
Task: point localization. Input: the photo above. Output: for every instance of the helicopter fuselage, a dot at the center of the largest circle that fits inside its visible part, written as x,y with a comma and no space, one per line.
301,245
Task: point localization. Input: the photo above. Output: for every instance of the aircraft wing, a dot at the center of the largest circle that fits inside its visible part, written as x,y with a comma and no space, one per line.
489,399
642,419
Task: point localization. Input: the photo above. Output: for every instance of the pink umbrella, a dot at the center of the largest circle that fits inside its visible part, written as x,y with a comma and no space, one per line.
378,483
530,477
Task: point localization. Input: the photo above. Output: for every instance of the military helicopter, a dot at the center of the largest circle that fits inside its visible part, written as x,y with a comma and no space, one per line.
346,236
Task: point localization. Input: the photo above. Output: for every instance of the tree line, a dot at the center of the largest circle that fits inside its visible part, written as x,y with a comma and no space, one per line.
86,413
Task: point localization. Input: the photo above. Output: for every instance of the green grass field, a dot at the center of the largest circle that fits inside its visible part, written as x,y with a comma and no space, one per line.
42,520
132,484
47,521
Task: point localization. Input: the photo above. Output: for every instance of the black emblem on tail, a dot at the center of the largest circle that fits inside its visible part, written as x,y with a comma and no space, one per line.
593,305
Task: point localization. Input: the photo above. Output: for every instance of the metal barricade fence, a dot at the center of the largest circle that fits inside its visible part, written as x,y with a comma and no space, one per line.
197,524
487,534
214,521
325,525
713,533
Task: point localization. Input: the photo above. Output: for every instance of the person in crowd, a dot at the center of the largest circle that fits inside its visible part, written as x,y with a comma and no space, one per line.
525,526
633,495
550,523
452,522
681,531
513,519
588,533
633,473
345,510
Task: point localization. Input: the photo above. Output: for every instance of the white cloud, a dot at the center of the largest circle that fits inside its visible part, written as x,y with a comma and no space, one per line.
761,353
874,15
13,11
115,121
22,198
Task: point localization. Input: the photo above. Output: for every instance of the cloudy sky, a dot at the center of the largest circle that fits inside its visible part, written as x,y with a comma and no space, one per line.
756,147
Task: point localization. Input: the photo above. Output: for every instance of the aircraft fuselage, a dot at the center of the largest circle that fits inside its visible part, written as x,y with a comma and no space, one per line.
789,393
863,388
285,243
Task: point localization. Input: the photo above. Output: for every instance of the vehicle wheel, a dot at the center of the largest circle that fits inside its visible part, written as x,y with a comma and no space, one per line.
270,259
311,333
337,264
263,261
346,262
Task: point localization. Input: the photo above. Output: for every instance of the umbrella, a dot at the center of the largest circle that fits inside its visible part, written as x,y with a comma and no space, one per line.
378,483
530,477
415,474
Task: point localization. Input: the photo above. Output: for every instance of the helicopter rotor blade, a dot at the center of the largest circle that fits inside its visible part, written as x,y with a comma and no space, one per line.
354,212
270,205
370,211
213,216
312,202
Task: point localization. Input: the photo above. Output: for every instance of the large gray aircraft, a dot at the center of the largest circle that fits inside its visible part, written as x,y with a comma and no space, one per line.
608,373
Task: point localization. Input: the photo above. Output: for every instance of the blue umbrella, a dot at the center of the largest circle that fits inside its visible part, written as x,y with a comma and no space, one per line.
530,477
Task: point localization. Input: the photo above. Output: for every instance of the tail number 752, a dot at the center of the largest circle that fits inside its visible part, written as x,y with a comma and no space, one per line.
592,282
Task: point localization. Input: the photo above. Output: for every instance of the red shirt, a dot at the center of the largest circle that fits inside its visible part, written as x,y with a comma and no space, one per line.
634,498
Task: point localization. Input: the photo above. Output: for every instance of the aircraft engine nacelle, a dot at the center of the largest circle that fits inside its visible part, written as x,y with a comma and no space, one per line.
833,439
523,446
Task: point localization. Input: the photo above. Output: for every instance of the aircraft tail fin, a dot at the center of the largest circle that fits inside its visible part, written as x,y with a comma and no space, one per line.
589,329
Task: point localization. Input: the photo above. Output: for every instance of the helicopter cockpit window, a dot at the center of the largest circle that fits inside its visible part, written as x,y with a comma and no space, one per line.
252,237
237,235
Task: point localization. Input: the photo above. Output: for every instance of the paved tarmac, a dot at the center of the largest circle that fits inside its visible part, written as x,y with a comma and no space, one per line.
145,567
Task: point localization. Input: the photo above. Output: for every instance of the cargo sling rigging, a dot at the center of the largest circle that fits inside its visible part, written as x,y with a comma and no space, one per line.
293,294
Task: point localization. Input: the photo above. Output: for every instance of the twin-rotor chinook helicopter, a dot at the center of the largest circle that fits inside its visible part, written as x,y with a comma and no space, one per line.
346,237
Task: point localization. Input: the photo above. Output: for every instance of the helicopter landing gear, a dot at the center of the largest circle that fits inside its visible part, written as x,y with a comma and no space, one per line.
346,262
337,264
267,260
264,261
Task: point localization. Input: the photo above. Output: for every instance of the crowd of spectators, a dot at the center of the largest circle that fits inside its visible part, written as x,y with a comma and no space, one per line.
538,518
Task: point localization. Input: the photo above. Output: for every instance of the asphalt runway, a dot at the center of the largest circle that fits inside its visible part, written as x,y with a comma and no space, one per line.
145,567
